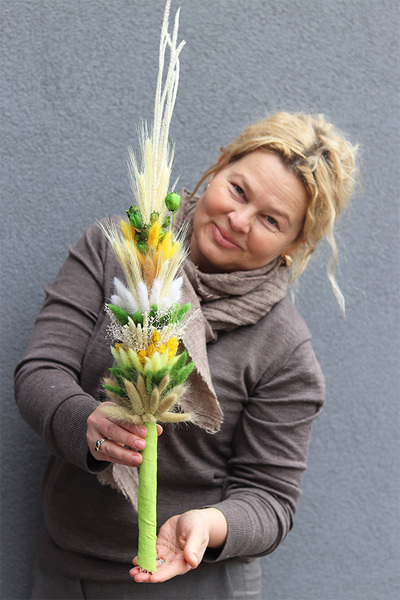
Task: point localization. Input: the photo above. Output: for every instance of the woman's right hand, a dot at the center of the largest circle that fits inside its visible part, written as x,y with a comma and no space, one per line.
123,442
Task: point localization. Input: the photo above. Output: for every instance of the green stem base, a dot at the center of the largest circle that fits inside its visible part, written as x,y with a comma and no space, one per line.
147,502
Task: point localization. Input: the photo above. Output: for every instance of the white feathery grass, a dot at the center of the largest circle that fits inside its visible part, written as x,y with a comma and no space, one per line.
167,271
174,292
150,184
143,296
155,292
124,297
125,254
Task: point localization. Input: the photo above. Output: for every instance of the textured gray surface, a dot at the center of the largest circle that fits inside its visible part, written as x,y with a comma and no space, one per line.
76,77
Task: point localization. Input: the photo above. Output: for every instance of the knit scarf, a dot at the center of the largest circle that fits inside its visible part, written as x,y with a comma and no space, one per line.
230,300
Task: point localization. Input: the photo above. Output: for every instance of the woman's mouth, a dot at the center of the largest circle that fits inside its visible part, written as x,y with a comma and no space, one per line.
224,239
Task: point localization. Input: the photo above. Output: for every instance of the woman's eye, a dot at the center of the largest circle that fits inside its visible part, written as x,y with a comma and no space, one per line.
239,190
271,221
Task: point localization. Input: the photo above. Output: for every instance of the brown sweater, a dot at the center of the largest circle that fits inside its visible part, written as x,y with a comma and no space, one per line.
270,389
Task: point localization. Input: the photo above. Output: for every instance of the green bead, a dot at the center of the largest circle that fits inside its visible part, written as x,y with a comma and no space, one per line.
154,217
142,247
166,223
135,218
172,201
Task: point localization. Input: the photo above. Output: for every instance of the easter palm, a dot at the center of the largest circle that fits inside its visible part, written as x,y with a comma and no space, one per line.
146,319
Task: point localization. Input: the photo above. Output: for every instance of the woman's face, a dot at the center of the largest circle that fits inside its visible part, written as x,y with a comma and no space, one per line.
252,211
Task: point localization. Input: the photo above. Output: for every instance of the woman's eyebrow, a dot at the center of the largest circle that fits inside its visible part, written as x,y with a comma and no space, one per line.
282,214
243,179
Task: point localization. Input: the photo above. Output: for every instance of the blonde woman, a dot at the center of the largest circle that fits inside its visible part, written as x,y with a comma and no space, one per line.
224,499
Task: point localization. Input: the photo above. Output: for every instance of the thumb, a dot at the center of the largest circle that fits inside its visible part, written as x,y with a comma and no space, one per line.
195,543
192,554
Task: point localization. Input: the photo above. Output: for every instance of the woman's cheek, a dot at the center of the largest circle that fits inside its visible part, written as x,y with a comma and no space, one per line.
217,204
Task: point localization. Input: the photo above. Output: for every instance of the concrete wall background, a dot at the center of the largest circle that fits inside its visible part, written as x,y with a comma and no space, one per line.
76,77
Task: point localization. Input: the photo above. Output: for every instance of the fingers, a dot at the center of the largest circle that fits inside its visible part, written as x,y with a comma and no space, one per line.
115,453
181,542
165,570
122,443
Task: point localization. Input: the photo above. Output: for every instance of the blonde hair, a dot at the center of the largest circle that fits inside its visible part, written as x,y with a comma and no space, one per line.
324,161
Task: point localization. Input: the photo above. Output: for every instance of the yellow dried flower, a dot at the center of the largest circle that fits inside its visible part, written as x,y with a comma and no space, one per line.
119,347
167,248
142,355
155,336
171,346
154,234
127,231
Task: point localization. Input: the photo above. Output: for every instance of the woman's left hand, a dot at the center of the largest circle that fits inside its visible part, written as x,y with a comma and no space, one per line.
181,543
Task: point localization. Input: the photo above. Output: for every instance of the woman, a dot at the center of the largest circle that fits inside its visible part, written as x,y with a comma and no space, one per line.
225,499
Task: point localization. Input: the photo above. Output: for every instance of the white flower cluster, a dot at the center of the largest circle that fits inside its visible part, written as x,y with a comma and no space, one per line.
124,298
139,337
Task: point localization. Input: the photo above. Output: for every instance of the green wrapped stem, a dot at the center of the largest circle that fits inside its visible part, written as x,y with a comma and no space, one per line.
147,502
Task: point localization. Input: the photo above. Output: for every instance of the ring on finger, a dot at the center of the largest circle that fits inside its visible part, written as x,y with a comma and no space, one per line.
98,444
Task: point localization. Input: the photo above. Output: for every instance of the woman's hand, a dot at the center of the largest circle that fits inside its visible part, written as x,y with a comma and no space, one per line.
123,441
182,541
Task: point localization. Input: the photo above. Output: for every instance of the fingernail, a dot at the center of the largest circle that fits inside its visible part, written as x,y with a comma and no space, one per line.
136,460
139,444
142,431
194,558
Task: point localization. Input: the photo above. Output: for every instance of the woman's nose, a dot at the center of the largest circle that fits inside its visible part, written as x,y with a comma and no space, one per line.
240,219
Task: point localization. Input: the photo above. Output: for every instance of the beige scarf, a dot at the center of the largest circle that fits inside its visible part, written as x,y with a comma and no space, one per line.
219,302
230,300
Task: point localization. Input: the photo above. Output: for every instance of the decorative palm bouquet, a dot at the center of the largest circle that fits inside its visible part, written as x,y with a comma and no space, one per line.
147,321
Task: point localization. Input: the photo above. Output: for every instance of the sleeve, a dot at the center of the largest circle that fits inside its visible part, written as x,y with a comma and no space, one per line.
47,379
270,449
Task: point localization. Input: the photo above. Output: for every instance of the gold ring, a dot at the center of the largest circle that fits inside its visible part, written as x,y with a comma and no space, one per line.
98,444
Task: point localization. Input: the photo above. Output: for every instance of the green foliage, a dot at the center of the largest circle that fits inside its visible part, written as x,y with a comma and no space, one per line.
180,363
179,372
175,314
159,375
154,379
119,314
121,373
181,312
117,390
153,312
122,316
184,373
125,371
137,317
149,382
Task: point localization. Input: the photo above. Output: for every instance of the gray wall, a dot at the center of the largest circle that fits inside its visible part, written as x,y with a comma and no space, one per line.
76,77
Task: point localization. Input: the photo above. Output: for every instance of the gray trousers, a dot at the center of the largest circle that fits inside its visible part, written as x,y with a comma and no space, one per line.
233,581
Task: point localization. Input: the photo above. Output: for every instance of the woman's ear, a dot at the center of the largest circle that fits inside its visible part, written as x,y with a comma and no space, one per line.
290,249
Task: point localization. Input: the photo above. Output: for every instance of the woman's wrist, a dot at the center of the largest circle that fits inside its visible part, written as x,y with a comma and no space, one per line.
217,526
